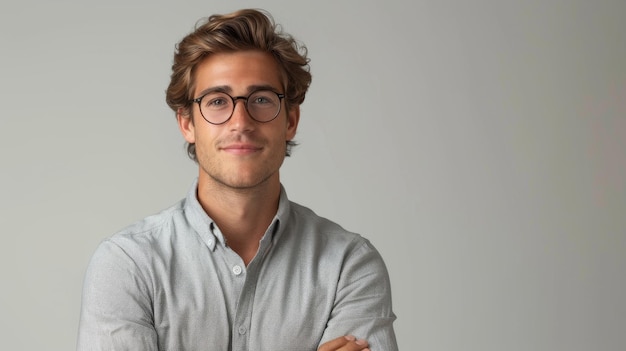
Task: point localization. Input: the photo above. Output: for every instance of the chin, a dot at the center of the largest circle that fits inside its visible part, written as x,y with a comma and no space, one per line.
242,183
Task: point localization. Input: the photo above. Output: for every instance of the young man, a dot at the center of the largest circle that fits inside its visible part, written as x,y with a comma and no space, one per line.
236,265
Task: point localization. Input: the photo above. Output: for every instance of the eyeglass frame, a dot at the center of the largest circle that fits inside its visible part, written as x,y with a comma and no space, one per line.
234,99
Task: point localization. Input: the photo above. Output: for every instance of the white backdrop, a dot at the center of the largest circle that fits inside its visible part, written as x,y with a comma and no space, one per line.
479,145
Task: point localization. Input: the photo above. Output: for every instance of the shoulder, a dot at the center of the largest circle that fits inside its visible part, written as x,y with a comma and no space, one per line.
306,219
314,228
152,227
144,237
345,257
133,254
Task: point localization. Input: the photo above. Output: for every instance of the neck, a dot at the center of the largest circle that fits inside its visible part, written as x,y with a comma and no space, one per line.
243,215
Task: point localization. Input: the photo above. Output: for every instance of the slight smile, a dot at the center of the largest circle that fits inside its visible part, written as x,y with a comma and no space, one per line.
241,149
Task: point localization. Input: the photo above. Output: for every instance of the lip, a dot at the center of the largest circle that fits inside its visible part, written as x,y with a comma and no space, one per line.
241,148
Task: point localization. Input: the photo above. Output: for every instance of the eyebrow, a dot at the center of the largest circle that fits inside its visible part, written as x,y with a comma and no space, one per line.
227,89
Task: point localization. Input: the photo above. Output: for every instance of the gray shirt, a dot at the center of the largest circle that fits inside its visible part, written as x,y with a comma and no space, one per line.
170,282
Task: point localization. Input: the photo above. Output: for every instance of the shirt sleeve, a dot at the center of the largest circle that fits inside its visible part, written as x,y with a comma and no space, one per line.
363,302
116,312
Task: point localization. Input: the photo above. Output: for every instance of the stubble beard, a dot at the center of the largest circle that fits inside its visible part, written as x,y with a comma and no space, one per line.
226,180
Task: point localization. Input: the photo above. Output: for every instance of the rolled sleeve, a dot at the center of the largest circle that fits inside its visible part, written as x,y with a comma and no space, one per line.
363,305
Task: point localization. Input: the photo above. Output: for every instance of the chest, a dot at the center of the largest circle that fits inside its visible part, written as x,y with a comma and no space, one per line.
215,302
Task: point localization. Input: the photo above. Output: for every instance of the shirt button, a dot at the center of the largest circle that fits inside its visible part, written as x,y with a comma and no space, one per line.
237,270
242,330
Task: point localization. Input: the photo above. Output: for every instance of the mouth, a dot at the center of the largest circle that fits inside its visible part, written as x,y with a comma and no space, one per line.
241,149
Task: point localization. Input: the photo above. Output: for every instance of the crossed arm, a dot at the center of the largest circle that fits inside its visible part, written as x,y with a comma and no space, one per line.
345,343
361,307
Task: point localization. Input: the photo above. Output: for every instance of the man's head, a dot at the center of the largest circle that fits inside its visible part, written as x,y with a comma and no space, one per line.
244,30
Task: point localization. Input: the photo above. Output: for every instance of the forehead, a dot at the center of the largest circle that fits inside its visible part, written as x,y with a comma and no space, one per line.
238,71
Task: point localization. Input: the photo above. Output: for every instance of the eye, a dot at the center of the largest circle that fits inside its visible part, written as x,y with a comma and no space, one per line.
215,102
261,100
264,99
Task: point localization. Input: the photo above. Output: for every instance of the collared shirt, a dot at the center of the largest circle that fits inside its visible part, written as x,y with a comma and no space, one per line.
171,283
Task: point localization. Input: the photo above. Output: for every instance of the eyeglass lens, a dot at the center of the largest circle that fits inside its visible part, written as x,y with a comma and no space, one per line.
262,105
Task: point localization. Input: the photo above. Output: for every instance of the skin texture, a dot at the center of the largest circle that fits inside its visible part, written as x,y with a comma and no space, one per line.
239,161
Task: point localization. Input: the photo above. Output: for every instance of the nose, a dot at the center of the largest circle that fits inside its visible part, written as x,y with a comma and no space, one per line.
241,120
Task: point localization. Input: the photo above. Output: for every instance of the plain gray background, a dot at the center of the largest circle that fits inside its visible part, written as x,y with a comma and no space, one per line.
479,145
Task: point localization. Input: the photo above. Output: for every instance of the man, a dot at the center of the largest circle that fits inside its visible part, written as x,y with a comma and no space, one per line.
236,265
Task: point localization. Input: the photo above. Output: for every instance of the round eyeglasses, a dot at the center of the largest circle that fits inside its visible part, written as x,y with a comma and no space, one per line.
217,107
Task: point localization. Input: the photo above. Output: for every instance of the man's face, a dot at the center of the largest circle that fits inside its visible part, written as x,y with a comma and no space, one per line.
241,153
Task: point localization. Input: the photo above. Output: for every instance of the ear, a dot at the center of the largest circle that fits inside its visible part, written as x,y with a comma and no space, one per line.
185,123
293,117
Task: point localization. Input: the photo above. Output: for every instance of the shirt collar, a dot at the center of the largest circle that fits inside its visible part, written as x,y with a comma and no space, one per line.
207,229
282,215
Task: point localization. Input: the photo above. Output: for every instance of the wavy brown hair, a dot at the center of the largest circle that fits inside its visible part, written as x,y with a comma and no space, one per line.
247,29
